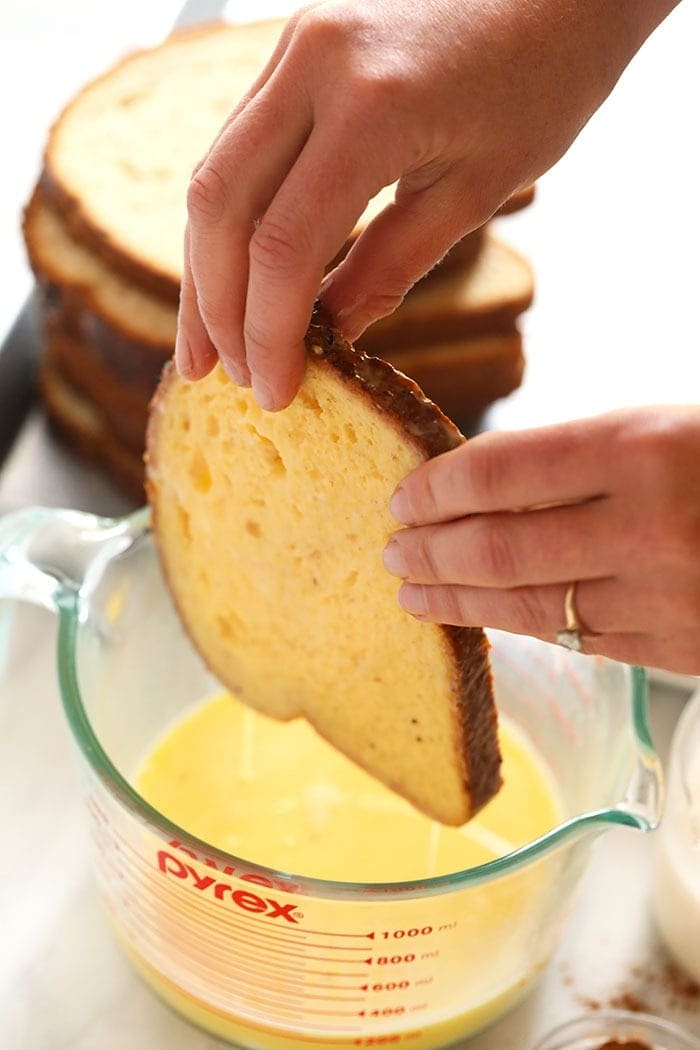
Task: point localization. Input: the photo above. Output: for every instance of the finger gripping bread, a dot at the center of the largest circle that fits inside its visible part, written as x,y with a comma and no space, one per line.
270,527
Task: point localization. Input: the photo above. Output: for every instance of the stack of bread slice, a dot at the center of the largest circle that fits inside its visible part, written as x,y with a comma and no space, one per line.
104,231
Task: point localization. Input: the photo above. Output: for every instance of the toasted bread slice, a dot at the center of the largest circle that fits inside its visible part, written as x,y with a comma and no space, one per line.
270,528
487,296
123,411
85,429
134,331
59,259
465,376
120,156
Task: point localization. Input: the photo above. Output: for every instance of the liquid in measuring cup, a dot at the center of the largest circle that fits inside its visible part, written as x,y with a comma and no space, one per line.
278,794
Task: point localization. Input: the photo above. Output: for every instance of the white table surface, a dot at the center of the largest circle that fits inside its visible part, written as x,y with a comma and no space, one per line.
613,237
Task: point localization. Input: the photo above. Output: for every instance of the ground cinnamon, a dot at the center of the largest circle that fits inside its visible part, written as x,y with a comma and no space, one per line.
625,1046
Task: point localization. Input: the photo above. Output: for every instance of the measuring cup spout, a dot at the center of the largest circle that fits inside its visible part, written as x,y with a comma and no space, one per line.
46,554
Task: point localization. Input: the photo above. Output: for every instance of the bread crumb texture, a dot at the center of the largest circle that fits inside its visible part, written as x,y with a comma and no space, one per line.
271,528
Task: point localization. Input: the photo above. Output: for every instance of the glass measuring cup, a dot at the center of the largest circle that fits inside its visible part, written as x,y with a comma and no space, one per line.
677,854
270,959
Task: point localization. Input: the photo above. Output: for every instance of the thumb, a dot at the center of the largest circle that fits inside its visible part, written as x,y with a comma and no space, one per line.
400,246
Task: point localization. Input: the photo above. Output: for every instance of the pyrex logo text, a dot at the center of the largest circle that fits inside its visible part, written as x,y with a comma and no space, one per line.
250,902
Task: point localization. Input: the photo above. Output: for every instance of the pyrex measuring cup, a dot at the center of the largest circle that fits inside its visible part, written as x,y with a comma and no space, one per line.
270,959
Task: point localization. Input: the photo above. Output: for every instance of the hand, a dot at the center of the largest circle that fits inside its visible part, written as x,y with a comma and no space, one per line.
500,526
460,101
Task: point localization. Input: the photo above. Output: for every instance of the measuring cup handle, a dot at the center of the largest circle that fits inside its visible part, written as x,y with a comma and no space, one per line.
45,554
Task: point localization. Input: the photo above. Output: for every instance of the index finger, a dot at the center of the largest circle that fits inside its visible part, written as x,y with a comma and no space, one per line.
565,463
305,226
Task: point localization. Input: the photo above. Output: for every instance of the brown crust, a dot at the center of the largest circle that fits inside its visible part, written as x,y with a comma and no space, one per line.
79,296
402,401
125,413
466,376
438,325
133,365
122,465
431,430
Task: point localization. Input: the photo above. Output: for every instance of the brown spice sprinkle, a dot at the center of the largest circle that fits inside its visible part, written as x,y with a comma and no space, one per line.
651,991
625,1046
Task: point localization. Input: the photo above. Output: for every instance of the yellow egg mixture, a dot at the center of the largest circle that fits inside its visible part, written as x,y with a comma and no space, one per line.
278,794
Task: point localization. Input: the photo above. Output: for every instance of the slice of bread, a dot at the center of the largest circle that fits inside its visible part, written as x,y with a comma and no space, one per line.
84,428
465,376
131,333
270,527
120,156
59,259
486,297
125,413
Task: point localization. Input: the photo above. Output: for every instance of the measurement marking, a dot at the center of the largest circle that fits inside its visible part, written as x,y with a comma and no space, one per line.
173,937
204,905
329,973
336,947
318,958
332,933
341,987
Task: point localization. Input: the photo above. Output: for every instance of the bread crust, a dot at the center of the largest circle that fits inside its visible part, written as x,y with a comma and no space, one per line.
95,444
79,299
438,320
432,433
133,366
465,377
125,413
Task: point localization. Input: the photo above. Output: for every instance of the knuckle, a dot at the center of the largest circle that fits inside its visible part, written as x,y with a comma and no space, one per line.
333,26
206,195
484,471
383,302
276,249
443,604
529,610
423,558
428,497
495,554
215,312
259,340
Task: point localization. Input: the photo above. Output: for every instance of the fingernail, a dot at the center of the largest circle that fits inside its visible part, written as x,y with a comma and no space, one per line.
399,505
263,394
393,559
412,599
235,373
183,355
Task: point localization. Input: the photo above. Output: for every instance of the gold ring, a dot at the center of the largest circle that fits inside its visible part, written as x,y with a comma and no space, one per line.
570,637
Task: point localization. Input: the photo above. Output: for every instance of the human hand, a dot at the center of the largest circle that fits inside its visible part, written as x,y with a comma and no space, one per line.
460,101
501,525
